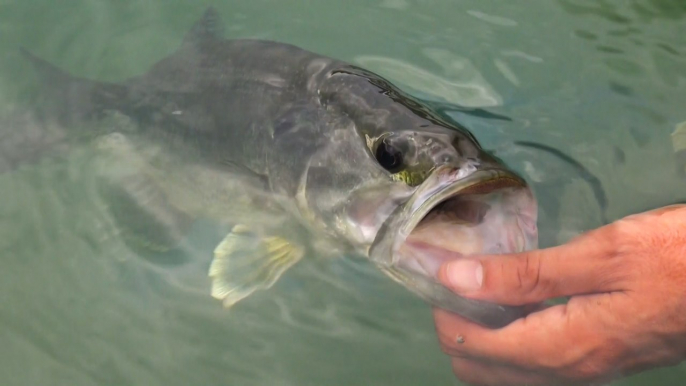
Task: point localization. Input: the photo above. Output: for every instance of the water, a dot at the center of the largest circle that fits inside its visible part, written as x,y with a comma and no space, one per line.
602,81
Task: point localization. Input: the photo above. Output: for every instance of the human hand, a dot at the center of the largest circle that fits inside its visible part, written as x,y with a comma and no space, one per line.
627,311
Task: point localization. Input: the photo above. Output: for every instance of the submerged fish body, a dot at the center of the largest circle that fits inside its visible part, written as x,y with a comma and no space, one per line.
303,154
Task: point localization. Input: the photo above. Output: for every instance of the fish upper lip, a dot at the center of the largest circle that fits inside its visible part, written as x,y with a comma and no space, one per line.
445,182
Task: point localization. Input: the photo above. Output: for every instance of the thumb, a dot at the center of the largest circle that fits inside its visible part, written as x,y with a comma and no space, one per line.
583,266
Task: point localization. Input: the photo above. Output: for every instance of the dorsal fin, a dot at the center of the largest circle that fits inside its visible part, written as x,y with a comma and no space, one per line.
71,99
209,27
47,71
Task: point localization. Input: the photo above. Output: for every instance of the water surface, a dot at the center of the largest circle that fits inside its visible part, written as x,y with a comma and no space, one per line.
602,81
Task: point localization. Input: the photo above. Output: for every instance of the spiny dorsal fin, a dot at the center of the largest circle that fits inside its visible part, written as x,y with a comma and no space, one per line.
209,27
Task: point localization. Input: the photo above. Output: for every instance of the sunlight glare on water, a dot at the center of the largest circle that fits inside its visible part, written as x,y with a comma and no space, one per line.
601,81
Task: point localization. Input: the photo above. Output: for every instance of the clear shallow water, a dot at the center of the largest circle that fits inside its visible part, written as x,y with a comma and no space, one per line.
602,81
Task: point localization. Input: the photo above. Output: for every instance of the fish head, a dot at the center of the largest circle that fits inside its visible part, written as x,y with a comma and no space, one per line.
430,193
463,200
405,164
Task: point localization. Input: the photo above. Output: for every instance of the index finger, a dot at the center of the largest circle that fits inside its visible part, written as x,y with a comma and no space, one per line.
582,266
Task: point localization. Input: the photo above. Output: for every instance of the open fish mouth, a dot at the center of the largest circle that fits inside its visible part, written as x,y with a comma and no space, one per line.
452,216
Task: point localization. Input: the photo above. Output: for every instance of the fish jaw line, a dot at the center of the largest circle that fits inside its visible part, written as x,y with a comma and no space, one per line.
444,184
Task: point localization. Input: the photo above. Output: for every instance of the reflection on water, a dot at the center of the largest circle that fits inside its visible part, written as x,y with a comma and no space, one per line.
627,11
600,81
462,83
637,35
497,20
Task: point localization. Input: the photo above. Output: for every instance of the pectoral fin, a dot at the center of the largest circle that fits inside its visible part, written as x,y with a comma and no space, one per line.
246,261
148,222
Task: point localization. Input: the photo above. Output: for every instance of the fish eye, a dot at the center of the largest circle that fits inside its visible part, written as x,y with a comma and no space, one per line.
389,157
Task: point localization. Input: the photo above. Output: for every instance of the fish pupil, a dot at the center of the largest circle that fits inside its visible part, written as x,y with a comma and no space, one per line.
389,157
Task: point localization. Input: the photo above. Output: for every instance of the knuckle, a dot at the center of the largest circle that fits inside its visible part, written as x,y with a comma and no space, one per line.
590,363
607,240
554,364
526,277
586,370
622,236
517,280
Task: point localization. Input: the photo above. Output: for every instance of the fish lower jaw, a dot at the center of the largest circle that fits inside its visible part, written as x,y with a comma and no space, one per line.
423,257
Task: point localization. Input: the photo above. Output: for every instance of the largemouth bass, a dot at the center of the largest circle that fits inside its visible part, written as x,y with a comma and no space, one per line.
304,155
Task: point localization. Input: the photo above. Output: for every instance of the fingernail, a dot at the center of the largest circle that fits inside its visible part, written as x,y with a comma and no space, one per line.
465,275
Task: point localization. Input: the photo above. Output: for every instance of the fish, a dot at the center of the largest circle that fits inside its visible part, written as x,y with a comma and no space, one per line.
678,138
299,154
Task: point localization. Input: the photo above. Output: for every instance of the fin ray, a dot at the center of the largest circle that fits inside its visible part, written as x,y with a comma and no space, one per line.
246,262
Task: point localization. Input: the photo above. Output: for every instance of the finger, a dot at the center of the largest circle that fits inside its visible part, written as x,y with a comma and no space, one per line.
556,339
583,266
476,372
452,330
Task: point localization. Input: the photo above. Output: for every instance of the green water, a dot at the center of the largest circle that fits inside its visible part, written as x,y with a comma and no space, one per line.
604,81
